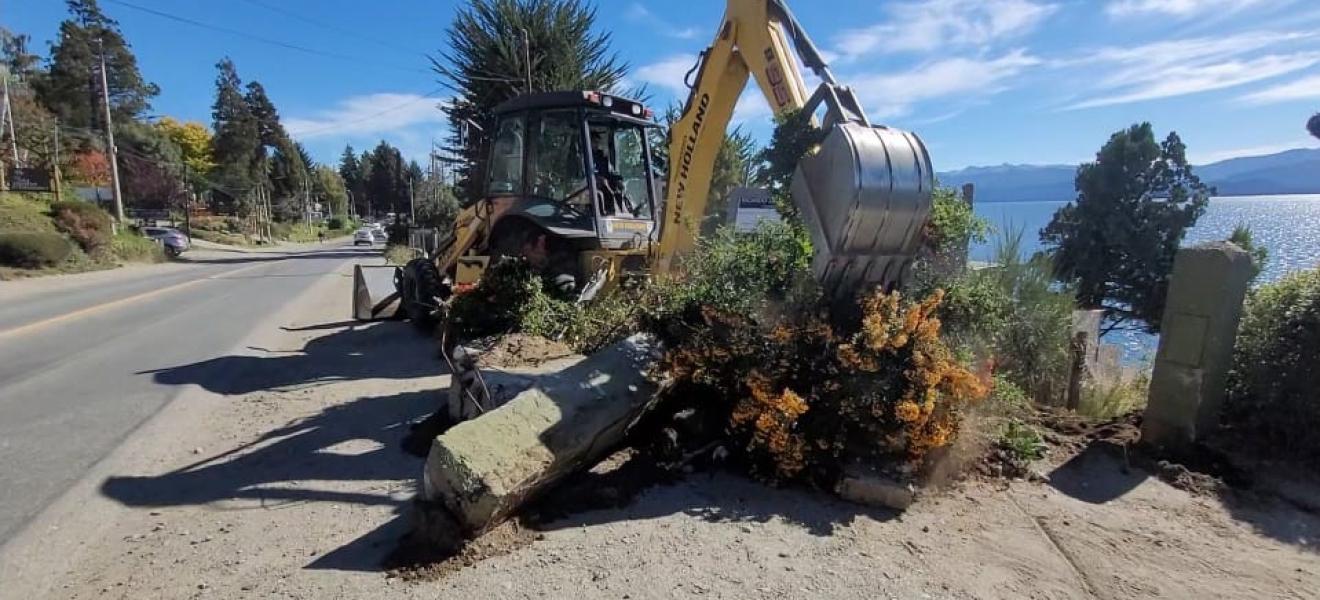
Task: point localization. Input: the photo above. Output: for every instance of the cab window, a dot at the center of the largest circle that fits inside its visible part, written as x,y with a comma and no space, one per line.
506,174
559,166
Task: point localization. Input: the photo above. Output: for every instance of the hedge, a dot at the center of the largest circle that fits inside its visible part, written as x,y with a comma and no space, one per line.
33,250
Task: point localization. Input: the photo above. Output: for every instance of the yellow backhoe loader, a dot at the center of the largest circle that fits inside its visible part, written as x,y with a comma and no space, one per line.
572,186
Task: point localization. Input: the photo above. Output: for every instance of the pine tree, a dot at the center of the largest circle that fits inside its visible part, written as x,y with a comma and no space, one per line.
71,86
236,140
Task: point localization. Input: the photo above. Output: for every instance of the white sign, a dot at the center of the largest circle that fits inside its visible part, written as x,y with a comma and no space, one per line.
749,205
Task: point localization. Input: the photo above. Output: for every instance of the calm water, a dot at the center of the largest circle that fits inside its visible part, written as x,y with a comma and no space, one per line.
1288,226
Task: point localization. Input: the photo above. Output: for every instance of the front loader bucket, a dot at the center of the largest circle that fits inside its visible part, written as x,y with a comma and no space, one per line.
364,307
864,197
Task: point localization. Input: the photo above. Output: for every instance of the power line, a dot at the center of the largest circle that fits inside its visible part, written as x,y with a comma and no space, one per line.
328,26
258,38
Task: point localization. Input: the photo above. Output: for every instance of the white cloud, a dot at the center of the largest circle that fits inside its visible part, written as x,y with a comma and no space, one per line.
1305,88
1174,68
929,25
372,114
668,73
888,95
1181,8
638,13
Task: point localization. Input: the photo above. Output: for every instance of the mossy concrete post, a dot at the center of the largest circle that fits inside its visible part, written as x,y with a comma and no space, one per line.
1201,314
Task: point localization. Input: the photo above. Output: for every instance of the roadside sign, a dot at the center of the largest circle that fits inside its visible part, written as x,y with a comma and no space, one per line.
749,205
29,179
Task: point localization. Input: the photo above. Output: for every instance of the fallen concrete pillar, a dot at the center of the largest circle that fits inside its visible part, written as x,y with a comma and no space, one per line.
483,469
864,485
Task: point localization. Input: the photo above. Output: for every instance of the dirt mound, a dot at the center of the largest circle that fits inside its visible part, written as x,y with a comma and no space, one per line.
519,350
1068,430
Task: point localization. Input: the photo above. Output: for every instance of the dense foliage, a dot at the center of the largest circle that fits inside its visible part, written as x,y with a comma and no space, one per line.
1116,242
1273,383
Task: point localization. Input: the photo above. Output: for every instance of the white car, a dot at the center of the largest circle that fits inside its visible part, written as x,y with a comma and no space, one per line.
363,236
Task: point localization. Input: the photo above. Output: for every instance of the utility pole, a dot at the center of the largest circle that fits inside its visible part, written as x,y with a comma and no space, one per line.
55,162
110,137
412,203
527,58
7,119
187,203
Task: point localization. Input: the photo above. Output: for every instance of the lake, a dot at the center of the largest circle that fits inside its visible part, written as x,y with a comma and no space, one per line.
1288,226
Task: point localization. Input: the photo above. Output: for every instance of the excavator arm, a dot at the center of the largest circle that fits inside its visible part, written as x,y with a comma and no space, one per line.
863,195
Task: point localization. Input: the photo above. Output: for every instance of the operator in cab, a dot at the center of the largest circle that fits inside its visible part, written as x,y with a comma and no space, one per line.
610,182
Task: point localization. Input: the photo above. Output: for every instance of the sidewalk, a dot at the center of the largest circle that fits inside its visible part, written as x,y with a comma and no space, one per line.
292,487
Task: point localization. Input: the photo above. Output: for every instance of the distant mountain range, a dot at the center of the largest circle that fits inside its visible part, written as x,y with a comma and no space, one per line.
1289,172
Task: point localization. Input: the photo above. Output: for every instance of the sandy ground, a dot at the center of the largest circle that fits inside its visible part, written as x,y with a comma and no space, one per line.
298,493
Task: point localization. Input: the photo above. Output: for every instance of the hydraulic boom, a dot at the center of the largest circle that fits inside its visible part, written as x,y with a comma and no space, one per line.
864,194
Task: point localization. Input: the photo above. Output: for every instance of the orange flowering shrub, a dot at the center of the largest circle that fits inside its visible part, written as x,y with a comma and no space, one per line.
804,397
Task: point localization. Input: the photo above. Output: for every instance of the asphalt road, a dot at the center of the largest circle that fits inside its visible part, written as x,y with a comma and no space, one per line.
76,357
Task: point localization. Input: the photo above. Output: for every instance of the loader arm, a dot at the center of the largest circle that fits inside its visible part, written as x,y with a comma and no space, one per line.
864,216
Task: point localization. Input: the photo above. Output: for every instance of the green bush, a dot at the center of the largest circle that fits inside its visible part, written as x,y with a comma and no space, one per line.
336,224
86,223
31,250
1274,381
1013,313
135,248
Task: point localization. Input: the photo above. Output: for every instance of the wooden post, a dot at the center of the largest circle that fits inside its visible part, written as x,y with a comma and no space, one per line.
1078,370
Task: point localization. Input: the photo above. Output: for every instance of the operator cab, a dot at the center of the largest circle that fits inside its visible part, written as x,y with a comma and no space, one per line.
579,164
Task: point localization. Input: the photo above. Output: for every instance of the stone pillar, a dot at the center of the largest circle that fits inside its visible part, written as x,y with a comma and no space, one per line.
1201,314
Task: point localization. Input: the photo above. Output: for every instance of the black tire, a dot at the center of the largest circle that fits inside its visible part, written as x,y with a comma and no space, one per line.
422,287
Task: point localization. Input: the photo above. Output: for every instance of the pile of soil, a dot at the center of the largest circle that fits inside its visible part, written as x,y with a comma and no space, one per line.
519,350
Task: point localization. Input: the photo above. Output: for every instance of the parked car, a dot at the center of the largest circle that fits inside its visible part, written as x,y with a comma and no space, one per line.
379,235
363,236
172,240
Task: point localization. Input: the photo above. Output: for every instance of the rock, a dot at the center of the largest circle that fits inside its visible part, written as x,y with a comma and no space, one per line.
866,486
483,469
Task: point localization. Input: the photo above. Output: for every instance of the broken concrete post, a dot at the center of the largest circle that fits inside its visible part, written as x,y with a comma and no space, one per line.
1204,304
474,390
483,469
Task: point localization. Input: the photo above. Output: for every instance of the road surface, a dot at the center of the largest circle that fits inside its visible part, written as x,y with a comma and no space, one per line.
77,354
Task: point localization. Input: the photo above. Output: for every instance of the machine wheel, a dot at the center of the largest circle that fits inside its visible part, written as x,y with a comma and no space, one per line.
422,286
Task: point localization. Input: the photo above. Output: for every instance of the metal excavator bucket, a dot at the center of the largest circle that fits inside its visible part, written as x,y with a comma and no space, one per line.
375,290
864,197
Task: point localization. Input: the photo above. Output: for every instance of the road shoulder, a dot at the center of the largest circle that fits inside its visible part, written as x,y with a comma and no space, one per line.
220,467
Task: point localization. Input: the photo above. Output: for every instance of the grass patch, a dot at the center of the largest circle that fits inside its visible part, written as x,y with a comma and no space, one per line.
20,212
132,248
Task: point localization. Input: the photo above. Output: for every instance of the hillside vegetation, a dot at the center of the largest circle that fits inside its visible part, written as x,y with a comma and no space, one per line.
39,237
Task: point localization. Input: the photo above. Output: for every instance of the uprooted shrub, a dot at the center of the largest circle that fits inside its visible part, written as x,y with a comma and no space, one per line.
805,397
513,298
86,223
1272,386
33,250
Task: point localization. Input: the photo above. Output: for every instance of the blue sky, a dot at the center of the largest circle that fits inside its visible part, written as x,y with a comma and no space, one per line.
983,82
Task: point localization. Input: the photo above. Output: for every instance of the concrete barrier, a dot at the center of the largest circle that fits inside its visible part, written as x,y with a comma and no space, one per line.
483,469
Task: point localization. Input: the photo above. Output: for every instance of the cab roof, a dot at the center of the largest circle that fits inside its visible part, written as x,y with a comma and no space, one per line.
613,104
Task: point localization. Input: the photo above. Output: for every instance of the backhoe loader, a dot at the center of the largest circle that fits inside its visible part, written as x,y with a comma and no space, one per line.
572,186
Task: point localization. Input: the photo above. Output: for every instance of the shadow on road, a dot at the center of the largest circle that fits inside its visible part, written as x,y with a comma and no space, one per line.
346,449
382,350
269,468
